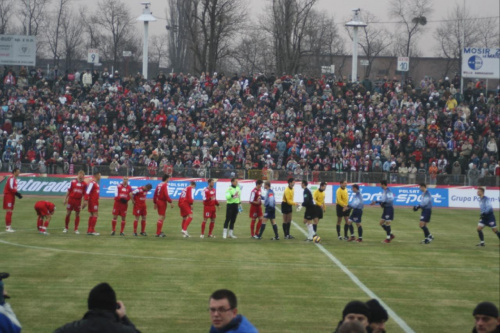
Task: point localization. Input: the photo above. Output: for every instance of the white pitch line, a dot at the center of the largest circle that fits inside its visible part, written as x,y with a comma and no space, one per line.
361,285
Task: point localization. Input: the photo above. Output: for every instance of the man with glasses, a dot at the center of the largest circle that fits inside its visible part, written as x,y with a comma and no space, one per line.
223,308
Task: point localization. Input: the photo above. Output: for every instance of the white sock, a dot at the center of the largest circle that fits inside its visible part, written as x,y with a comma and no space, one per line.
311,231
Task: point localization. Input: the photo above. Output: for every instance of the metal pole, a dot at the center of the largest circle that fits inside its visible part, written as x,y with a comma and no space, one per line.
461,51
354,73
145,51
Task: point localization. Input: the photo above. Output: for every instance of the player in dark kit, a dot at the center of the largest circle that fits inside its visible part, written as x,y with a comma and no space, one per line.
269,211
310,212
386,202
487,217
357,211
425,217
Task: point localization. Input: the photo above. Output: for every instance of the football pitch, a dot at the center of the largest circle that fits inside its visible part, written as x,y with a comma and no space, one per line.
282,286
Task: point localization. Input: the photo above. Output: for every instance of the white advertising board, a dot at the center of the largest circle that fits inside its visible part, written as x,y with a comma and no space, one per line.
481,62
467,198
17,50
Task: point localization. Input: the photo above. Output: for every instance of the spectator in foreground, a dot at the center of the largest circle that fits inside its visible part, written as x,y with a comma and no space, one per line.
8,319
352,327
355,311
378,316
105,314
223,308
487,318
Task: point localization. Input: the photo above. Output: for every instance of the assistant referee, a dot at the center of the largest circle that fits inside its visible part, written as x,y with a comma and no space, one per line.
286,207
342,200
233,194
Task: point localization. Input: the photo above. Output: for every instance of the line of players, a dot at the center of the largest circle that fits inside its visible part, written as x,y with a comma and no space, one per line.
314,208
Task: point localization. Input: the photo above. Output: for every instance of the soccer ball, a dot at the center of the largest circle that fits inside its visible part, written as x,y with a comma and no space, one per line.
316,239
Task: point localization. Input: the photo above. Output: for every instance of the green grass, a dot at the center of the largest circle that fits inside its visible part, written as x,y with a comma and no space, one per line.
285,286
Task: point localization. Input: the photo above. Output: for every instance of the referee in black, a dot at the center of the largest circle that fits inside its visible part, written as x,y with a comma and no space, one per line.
233,194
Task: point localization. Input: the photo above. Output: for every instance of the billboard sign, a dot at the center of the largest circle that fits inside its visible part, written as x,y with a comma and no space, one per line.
481,62
17,50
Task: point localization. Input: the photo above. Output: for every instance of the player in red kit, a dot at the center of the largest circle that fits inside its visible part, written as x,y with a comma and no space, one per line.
73,200
256,209
92,200
44,210
185,203
120,206
140,209
9,198
209,204
160,200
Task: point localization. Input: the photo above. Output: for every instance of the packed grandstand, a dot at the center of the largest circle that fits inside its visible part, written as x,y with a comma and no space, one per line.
251,126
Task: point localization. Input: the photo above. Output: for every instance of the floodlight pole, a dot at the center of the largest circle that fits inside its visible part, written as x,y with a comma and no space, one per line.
355,23
146,17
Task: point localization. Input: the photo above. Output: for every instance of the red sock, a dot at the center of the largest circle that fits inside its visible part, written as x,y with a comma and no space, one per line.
39,222
188,222
211,228
113,225
89,228
184,224
66,222
122,227
94,222
46,224
159,225
252,226
258,227
143,226
203,224
8,219
135,226
77,222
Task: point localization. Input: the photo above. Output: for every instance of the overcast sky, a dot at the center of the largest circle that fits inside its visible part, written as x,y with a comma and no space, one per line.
339,9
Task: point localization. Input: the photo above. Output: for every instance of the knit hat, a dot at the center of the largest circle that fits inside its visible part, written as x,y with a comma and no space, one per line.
356,307
486,309
377,311
102,297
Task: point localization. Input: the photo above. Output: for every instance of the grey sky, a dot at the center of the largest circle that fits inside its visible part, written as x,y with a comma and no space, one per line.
339,9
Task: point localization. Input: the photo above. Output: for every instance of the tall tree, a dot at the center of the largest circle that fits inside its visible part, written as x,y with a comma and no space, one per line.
7,8
53,29
179,18
374,39
116,22
33,14
72,38
288,21
412,15
214,26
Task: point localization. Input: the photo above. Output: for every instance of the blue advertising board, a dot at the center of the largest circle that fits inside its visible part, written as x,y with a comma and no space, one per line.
108,187
403,196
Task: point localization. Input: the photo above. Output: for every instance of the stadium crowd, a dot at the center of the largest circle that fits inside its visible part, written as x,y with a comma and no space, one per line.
292,122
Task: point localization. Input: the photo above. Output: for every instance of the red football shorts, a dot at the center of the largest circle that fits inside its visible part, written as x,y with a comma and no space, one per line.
41,211
185,210
9,201
120,209
209,212
161,207
93,206
74,204
255,211
140,211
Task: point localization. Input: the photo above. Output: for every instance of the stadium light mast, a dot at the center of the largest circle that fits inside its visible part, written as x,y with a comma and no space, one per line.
355,23
146,17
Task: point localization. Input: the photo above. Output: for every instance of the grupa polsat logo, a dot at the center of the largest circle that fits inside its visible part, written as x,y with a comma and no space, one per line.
475,62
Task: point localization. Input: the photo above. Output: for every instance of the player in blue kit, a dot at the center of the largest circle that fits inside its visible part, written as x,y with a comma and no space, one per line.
357,211
487,217
386,202
269,211
425,217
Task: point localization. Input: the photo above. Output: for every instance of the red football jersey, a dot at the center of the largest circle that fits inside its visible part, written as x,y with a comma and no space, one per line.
161,193
186,196
123,192
77,189
10,186
45,205
92,193
255,196
139,198
209,197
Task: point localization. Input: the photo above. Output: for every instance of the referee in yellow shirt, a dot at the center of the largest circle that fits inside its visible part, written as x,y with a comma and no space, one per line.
319,199
287,206
342,200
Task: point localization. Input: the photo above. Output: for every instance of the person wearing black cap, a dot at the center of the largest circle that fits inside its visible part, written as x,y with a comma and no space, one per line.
355,311
105,314
487,318
378,316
